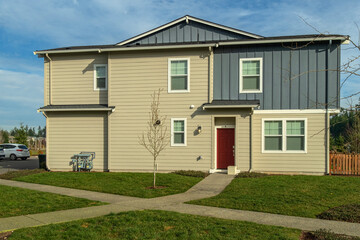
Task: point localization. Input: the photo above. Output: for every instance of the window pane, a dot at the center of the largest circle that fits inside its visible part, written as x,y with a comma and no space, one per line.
251,83
179,83
178,67
100,72
273,128
273,143
295,127
179,126
251,67
295,143
179,138
100,83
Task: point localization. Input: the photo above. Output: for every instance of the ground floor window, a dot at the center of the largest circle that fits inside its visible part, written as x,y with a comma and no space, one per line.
178,132
284,135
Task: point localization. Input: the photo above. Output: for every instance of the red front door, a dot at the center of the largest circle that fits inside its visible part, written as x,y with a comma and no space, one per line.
225,147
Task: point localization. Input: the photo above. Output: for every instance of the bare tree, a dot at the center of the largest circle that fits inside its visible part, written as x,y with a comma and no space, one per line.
155,138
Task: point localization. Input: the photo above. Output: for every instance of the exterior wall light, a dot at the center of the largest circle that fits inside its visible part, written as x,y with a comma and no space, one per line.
199,128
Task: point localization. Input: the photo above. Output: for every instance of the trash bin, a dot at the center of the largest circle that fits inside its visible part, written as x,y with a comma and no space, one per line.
42,161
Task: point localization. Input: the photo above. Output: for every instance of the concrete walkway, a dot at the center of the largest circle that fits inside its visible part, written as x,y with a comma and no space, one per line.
210,186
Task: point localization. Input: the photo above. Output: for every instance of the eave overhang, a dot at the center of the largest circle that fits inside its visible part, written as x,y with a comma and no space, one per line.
77,108
231,104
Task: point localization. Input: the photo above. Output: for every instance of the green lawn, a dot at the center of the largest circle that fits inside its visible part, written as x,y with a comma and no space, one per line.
129,184
18,201
304,196
155,225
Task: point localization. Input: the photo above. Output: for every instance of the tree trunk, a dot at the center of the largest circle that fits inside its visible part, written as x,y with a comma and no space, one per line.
154,172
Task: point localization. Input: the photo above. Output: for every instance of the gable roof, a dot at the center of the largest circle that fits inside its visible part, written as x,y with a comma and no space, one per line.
235,33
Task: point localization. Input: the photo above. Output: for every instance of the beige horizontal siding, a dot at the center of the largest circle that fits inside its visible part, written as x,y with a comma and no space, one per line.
73,79
71,133
134,77
313,161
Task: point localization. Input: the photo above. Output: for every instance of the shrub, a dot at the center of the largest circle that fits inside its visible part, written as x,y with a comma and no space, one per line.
324,234
191,173
347,213
251,175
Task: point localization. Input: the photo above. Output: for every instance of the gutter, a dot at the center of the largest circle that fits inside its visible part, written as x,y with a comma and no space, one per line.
75,109
283,41
229,106
50,85
119,49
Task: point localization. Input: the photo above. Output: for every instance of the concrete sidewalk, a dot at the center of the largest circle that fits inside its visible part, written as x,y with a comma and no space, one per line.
210,186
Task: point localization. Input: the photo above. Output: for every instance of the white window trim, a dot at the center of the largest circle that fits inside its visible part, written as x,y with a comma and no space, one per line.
169,75
106,77
172,133
241,75
283,135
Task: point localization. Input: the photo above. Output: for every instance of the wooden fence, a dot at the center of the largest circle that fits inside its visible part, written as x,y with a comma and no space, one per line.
344,164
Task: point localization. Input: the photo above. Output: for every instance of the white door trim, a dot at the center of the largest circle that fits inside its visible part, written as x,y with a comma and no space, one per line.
216,128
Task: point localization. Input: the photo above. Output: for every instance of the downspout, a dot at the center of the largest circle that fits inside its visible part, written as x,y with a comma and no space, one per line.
251,139
210,75
47,138
50,97
327,118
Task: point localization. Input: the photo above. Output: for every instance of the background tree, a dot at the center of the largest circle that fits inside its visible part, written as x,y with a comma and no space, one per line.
21,135
5,136
155,138
353,133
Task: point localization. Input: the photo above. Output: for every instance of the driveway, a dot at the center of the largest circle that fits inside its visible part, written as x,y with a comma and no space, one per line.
8,165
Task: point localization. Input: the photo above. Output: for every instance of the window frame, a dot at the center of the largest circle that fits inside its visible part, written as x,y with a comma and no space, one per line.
169,75
284,135
241,90
95,78
173,144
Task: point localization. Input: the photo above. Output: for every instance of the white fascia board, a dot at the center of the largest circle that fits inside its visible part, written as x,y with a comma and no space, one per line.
280,41
128,48
229,106
77,109
187,18
297,111
224,27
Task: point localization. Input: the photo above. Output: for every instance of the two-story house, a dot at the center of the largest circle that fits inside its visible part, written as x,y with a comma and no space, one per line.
261,103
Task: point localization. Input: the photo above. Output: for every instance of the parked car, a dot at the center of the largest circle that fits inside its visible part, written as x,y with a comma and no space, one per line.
15,151
2,153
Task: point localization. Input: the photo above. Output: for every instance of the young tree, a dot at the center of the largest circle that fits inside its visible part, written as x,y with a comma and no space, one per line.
155,138
5,136
21,135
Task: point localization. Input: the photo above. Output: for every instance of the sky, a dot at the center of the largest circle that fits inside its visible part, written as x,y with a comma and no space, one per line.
29,25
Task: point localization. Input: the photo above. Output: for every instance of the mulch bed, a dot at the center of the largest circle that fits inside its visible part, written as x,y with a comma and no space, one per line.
156,187
5,235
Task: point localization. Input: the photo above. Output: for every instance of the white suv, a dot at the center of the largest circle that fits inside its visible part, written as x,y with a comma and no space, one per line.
15,151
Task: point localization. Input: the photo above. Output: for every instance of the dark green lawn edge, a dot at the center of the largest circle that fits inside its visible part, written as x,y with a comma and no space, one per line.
310,196
119,183
155,224
16,201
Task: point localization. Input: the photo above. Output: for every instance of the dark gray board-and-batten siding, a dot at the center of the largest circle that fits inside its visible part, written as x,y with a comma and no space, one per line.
292,78
191,32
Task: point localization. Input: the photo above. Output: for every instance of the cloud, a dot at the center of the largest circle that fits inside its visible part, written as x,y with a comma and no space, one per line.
25,89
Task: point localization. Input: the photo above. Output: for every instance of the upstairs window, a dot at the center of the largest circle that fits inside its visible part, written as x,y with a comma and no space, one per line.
178,79
250,75
178,132
100,76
